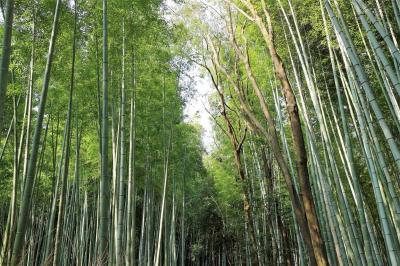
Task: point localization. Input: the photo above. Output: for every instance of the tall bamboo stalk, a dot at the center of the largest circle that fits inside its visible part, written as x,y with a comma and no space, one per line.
6,53
104,182
30,176
63,196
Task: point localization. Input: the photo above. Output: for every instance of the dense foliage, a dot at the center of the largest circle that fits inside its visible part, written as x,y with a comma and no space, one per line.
100,166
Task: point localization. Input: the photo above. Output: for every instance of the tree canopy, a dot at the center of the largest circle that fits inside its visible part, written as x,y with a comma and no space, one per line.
101,164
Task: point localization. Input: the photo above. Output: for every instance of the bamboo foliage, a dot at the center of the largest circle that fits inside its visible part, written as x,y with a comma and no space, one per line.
332,166
304,161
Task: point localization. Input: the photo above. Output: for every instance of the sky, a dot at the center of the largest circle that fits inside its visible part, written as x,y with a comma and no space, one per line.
196,107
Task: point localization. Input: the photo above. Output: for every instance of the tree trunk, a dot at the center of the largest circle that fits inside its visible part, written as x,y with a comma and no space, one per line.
297,133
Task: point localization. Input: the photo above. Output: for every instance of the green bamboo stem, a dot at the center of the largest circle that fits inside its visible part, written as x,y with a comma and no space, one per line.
6,54
29,179
381,30
104,182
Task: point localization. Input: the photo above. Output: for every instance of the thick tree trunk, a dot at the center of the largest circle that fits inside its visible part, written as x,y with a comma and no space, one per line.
272,138
297,133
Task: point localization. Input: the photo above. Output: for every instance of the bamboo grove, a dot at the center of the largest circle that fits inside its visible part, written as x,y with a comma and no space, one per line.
99,164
